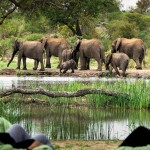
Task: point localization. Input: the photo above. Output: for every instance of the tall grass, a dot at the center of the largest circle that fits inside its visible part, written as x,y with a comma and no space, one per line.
137,89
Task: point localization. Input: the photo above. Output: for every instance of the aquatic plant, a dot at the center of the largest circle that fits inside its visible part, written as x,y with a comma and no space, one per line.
138,90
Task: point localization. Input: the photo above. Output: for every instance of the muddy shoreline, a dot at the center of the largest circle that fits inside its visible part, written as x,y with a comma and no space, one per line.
145,73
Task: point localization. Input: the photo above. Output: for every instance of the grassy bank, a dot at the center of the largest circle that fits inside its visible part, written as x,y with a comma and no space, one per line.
138,90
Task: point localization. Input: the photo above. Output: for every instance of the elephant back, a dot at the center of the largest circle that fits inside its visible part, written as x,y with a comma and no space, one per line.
66,55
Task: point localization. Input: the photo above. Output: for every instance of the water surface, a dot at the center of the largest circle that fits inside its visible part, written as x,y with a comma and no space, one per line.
73,123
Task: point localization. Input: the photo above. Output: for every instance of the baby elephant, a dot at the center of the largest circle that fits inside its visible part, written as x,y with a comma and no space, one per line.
70,64
120,60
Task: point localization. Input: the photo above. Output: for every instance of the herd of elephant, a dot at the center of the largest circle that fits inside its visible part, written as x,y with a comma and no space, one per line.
83,50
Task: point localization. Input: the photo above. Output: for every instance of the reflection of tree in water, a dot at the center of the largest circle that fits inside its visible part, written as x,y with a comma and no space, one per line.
28,83
76,123
63,123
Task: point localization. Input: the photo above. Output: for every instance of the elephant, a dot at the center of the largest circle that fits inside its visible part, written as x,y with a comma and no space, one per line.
54,47
70,64
28,49
89,49
120,60
75,57
66,55
134,48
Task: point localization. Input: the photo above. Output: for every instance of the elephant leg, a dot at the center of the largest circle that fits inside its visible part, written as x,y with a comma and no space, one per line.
42,65
138,65
24,63
35,64
65,70
141,60
83,63
88,63
19,61
48,57
124,68
99,65
110,68
76,67
124,73
60,61
116,69
72,70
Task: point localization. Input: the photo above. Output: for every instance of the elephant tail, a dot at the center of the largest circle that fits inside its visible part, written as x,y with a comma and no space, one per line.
44,55
102,56
144,49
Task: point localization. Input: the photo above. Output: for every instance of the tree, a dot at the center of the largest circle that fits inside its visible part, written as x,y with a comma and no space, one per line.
7,7
72,12
143,5
66,12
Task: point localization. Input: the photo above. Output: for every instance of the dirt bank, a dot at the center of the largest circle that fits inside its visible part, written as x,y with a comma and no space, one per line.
145,73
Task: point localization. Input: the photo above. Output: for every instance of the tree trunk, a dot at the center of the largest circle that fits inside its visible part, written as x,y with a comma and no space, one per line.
54,94
78,29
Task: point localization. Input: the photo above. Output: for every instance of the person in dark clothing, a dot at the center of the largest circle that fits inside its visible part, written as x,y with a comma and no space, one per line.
139,137
16,136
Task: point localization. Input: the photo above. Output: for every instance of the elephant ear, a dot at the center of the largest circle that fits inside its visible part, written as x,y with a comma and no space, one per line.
118,41
16,45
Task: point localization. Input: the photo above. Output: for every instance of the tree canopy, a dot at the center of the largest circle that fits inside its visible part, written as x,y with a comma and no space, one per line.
143,5
66,12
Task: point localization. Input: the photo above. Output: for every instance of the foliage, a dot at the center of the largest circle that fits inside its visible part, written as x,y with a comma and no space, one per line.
143,5
38,24
70,19
137,89
12,27
5,47
70,13
32,37
122,28
142,21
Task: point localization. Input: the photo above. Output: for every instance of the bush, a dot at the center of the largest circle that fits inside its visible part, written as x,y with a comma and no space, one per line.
33,37
106,44
71,40
122,28
145,36
141,21
6,47
12,27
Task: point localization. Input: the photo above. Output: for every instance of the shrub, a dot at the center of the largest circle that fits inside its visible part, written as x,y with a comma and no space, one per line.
32,37
122,28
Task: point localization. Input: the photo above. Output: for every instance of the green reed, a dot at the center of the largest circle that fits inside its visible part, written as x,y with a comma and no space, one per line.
137,89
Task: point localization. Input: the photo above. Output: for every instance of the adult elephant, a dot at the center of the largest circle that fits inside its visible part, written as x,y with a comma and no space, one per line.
89,49
28,49
54,47
134,48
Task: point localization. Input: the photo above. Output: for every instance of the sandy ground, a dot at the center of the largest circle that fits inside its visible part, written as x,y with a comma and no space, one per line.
86,145
145,73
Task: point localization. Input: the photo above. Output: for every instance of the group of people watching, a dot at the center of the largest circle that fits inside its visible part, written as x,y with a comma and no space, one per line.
14,136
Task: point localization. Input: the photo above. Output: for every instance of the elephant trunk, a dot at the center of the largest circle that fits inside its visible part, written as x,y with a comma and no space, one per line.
75,57
12,57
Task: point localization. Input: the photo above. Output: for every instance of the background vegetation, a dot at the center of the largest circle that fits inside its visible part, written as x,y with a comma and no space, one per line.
32,20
